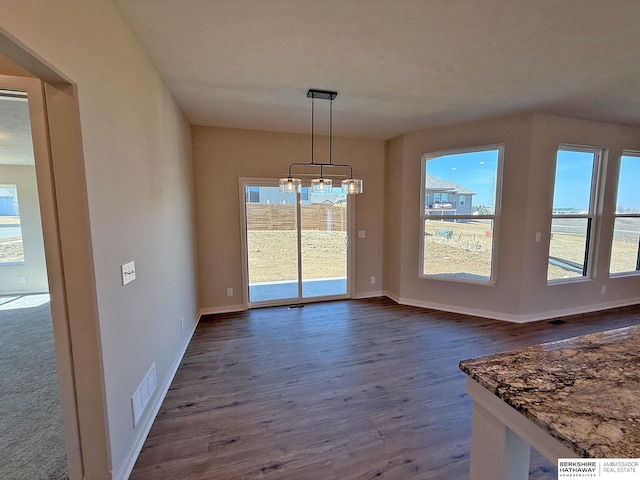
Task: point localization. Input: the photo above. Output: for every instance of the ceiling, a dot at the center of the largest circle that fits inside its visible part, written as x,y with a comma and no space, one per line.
398,66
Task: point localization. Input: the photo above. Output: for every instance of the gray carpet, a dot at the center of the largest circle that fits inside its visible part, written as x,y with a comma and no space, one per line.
31,432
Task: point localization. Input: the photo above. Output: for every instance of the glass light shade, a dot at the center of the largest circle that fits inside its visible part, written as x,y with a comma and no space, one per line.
352,186
321,185
290,185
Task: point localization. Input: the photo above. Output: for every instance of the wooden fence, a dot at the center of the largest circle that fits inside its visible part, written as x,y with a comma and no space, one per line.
283,217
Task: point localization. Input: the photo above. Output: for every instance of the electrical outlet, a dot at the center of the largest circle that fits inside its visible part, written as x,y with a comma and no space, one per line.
22,279
603,289
229,292
373,280
362,233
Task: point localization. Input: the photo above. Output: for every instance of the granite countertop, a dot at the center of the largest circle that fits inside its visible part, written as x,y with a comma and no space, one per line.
585,391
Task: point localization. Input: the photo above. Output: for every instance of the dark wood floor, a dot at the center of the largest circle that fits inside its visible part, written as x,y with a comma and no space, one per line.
341,390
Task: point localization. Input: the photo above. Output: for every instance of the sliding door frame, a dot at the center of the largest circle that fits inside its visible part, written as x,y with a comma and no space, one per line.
273,182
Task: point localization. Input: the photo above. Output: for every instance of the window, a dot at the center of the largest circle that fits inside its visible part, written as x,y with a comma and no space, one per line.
573,214
457,238
253,195
11,245
625,246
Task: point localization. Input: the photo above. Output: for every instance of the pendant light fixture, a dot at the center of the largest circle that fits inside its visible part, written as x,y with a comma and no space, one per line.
322,184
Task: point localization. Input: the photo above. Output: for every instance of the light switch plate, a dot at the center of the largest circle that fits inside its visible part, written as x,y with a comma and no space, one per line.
128,272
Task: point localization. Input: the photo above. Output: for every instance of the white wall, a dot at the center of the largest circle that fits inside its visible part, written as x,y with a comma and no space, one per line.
137,158
33,269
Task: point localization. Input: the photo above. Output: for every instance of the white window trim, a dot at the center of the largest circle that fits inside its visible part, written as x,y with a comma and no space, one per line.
628,273
19,263
595,198
495,217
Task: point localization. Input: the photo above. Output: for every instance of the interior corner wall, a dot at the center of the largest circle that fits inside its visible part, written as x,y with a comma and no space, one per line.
223,155
33,270
497,301
393,186
139,183
539,300
521,292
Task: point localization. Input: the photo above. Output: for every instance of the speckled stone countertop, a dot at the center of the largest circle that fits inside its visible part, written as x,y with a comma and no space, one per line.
585,391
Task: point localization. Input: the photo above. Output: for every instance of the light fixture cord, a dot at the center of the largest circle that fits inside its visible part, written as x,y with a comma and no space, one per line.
330,130
313,99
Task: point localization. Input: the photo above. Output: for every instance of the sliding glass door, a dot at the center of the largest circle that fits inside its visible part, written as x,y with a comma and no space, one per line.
271,226
324,247
296,245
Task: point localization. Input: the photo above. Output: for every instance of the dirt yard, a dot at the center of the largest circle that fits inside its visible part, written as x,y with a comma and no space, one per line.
11,252
11,248
470,244
270,259
453,248
324,253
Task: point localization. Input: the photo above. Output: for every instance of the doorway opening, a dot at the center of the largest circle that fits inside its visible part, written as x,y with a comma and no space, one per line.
32,442
296,244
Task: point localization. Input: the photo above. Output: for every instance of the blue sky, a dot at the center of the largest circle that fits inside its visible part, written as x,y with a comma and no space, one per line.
477,171
573,180
629,188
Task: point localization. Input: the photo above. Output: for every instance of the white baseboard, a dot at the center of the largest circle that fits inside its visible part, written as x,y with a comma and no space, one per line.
392,296
457,309
565,312
23,293
227,309
361,295
534,317
150,415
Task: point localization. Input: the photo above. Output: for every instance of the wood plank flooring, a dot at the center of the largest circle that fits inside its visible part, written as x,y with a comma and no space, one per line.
353,389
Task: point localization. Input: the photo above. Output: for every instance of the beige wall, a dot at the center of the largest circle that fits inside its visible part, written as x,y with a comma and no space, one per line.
136,147
9,67
394,198
548,132
139,187
521,292
222,156
33,269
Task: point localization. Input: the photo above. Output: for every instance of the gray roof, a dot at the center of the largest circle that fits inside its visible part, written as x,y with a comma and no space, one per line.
435,184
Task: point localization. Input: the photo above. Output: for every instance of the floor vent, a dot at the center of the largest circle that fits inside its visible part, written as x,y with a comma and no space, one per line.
143,394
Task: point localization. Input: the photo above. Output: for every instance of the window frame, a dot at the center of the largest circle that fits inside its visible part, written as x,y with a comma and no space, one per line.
589,269
19,225
616,215
500,147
